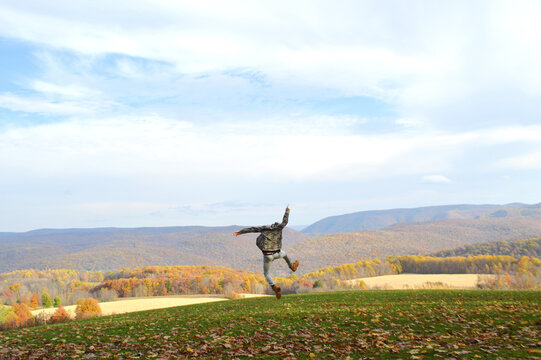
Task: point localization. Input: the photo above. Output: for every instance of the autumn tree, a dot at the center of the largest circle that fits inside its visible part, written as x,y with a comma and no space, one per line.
8,296
6,314
15,287
60,315
57,301
163,289
22,314
46,300
34,302
87,308
168,286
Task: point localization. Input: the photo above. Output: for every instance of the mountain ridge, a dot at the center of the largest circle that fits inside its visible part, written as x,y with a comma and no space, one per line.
112,248
380,219
414,239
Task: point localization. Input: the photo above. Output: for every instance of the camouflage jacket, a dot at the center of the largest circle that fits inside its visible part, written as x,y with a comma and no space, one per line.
270,238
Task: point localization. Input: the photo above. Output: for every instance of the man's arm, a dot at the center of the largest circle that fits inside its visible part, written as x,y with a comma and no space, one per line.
265,227
253,229
286,218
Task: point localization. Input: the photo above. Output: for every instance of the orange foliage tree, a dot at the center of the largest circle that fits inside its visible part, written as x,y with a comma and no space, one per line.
60,315
34,302
22,314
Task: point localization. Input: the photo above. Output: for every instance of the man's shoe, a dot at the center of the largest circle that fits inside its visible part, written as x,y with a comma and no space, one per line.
295,266
277,290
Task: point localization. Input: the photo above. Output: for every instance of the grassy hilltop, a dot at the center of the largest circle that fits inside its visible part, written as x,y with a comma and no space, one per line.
374,324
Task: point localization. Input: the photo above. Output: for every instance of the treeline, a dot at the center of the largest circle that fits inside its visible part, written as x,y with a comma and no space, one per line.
38,288
31,287
47,288
335,277
181,280
523,272
67,286
19,315
517,248
481,264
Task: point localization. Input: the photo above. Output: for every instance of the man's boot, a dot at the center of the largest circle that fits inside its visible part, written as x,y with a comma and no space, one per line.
295,266
277,290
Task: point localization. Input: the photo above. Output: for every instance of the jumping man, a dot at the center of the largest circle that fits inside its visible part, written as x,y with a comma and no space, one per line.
270,243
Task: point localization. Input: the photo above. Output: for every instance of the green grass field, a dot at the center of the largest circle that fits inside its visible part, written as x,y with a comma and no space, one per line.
400,324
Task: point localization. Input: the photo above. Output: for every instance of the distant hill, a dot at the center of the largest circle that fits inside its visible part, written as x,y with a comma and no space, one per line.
114,248
379,219
412,238
516,248
105,249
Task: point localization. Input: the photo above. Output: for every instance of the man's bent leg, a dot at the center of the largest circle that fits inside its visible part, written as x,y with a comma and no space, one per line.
285,257
292,266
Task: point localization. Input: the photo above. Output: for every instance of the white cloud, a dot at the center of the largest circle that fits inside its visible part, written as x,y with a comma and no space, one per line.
456,65
530,161
129,146
41,106
436,179
143,146
119,207
510,134
72,91
133,171
357,48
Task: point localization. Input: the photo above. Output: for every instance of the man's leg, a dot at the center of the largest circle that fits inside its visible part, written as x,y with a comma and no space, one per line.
282,254
267,260
292,266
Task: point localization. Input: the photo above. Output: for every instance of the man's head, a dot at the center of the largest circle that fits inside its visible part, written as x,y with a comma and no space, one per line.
275,225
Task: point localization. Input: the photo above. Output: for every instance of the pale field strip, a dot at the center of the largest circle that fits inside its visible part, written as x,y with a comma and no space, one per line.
423,281
144,303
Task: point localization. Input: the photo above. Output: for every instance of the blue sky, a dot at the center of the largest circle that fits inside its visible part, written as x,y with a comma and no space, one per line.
155,113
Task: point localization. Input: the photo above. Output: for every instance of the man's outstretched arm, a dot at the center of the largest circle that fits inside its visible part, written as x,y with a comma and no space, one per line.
265,227
253,229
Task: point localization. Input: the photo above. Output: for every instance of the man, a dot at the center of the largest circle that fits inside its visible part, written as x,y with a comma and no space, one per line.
270,243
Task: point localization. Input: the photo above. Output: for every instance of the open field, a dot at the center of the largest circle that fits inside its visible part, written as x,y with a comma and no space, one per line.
139,304
398,324
423,281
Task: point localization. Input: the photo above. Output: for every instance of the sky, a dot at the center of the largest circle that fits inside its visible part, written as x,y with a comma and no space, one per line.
159,113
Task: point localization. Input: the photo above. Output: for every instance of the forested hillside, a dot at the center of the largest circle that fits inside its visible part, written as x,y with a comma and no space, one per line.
378,219
412,238
516,248
111,248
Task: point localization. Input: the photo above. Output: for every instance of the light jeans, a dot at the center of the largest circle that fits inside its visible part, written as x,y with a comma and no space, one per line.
268,259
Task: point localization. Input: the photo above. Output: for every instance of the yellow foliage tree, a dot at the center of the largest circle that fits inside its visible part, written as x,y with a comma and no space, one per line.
87,308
